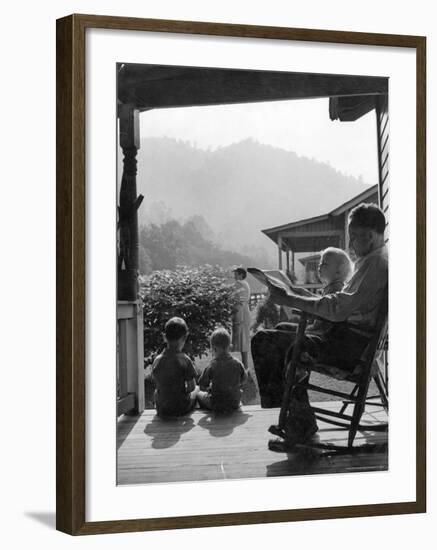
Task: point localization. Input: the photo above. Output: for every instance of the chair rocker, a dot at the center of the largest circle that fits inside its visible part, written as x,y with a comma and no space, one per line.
366,370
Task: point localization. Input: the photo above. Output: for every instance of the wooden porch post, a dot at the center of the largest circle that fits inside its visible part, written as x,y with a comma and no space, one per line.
346,233
140,357
129,203
280,252
287,259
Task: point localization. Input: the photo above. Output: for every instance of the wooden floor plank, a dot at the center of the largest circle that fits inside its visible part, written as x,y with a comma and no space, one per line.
203,447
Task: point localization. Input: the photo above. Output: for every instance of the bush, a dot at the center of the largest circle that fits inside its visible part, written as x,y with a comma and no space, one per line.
200,295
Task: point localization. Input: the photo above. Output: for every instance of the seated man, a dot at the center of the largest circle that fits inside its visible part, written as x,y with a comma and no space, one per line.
352,312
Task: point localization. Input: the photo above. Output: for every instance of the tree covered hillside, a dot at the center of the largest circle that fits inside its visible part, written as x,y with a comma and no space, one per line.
238,190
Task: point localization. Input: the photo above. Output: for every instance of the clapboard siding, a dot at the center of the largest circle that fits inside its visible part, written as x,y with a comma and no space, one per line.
384,123
384,194
330,224
384,143
384,197
384,170
383,132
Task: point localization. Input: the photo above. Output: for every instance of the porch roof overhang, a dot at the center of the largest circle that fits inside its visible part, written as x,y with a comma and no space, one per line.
160,86
313,241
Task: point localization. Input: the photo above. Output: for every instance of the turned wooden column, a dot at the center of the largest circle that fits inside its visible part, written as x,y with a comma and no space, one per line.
128,205
280,252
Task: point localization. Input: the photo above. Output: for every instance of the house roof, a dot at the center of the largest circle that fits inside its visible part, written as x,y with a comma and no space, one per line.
366,194
274,232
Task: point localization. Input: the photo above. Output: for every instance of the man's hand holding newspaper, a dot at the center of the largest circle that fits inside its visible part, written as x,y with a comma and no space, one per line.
281,292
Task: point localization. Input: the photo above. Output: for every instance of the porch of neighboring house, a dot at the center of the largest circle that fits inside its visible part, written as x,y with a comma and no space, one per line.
200,447
257,290
312,235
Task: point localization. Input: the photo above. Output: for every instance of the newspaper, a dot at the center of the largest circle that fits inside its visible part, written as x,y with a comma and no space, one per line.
268,280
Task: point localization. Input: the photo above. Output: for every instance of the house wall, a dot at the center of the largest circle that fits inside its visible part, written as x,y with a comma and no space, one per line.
383,129
330,224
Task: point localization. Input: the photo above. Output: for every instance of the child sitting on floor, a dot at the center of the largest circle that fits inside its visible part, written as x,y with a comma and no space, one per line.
173,373
221,381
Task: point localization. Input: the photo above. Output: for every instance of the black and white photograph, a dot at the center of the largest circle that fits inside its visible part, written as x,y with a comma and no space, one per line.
219,274
252,268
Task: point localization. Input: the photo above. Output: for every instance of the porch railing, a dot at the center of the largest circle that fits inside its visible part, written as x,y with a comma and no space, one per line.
130,358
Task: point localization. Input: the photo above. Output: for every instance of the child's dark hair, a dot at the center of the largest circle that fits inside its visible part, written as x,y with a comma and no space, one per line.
241,271
220,338
267,311
175,328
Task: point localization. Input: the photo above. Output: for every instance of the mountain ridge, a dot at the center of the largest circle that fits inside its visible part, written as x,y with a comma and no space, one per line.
239,189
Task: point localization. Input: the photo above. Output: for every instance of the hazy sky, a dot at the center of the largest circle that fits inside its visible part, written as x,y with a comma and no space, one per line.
302,126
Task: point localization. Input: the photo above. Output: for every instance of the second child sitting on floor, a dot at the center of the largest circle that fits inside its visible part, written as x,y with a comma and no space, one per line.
173,373
221,381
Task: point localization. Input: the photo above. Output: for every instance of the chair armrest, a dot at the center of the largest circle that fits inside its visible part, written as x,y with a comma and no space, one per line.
312,315
296,346
300,335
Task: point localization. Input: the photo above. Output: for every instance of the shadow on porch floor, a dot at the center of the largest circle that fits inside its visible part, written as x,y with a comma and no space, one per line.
201,446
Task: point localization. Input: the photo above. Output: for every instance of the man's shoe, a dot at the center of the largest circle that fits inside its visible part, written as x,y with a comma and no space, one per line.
279,446
289,443
276,430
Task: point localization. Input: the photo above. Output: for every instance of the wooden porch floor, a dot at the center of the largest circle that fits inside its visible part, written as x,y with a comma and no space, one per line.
200,446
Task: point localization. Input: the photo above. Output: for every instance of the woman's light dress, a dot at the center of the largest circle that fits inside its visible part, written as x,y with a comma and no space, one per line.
241,318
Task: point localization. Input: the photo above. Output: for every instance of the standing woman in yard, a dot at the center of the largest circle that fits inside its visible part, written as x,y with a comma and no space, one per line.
241,316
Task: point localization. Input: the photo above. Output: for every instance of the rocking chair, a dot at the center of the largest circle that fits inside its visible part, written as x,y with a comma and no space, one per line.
366,370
